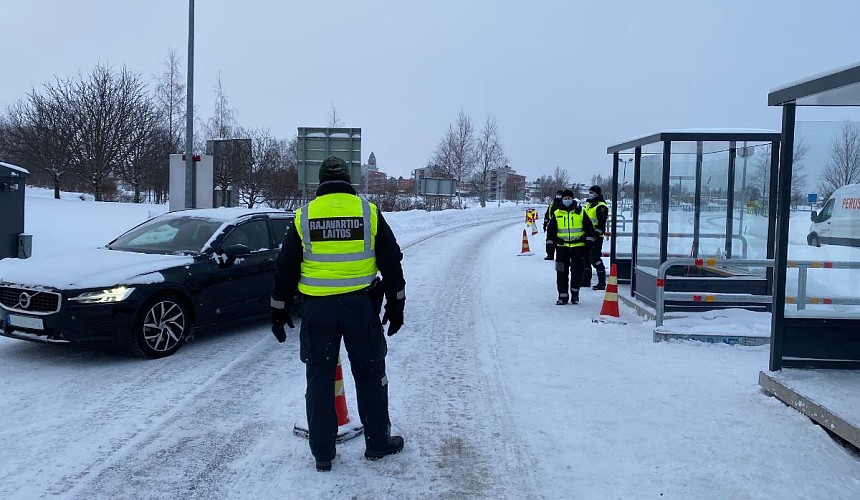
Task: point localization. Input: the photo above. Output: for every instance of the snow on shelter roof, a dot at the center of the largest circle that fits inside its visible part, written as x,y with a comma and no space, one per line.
697,134
15,168
836,87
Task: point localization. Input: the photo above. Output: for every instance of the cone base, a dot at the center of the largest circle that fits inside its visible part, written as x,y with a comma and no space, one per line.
608,320
525,253
344,432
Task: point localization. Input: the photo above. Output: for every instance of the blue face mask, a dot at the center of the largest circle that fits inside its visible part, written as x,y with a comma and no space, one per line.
591,196
567,202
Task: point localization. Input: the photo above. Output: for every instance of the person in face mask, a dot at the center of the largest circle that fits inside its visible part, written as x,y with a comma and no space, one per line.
597,211
550,244
569,228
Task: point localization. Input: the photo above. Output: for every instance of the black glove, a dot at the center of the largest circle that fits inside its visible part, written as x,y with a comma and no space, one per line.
394,314
281,317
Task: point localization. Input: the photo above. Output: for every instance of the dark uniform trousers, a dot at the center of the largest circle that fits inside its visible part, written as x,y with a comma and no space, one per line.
594,257
568,263
324,321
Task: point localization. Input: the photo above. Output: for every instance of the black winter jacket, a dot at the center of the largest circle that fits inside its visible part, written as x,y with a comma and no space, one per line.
388,255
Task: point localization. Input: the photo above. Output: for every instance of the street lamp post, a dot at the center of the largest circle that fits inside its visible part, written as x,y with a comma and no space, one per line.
624,180
190,172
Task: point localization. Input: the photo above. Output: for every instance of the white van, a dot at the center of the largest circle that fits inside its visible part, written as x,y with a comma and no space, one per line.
838,223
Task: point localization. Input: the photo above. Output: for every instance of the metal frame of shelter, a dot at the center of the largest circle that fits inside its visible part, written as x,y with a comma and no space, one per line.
643,286
808,341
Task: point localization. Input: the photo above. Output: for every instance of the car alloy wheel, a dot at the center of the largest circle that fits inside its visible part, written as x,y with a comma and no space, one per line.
162,329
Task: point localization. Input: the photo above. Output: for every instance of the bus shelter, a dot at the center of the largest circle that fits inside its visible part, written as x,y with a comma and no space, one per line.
816,299
698,194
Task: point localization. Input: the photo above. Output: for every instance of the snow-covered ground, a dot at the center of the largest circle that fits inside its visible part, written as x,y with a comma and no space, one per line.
498,392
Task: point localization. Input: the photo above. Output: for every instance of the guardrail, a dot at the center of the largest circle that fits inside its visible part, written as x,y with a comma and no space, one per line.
801,299
662,294
744,242
803,267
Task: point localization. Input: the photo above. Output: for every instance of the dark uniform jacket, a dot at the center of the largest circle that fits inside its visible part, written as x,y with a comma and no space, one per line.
388,254
587,227
554,205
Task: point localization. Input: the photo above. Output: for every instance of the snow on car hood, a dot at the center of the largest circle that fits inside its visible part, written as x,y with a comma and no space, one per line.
98,267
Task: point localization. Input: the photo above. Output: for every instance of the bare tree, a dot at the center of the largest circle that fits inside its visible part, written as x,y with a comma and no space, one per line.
798,168
844,165
490,156
281,187
170,100
265,158
561,179
149,155
222,124
334,120
109,104
42,130
456,154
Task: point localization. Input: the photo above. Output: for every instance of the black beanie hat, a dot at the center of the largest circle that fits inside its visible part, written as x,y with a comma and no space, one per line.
334,168
595,190
567,192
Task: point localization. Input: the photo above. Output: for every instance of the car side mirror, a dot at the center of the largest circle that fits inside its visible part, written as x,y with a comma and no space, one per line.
235,251
813,216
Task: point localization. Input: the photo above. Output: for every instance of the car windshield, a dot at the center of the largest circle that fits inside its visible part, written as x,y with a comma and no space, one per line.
173,235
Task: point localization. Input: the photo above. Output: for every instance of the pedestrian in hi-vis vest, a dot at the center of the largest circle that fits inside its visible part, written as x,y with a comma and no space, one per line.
598,212
553,206
331,255
569,228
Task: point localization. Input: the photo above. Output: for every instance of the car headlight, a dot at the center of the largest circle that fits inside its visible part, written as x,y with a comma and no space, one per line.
117,294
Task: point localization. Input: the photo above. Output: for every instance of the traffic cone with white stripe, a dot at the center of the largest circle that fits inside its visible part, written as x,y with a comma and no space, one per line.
345,429
610,300
525,250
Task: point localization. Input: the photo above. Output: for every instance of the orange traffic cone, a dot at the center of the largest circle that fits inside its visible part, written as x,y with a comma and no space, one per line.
340,396
525,250
345,430
610,299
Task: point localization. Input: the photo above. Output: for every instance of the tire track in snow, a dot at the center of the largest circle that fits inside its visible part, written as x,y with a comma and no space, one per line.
456,407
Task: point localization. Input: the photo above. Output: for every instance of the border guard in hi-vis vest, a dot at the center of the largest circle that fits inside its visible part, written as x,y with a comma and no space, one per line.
569,228
331,255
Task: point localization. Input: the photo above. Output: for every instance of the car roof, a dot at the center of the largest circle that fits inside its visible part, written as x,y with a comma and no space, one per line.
223,214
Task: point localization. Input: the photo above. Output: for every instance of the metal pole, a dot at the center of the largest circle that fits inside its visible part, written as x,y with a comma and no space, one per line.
614,215
697,204
783,194
190,171
730,199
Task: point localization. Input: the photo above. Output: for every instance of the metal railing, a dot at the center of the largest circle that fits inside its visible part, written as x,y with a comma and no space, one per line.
662,294
801,299
803,266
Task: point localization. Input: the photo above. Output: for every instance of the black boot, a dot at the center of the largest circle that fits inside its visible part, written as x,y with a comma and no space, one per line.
323,464
562,300
574,296
601,280
392,446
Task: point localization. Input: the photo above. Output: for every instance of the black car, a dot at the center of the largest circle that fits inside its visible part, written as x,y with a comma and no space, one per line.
151,287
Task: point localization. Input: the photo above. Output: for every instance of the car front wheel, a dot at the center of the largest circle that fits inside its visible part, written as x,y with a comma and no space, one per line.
813,240
161,327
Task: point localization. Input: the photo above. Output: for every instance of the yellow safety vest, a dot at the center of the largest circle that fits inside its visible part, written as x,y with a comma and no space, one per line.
338,233
591,210
569,227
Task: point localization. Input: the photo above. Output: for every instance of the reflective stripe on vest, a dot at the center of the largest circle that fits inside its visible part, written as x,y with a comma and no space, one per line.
569,227
334,259
591,210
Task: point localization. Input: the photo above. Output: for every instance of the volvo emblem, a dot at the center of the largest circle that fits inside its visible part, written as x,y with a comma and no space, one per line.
24,300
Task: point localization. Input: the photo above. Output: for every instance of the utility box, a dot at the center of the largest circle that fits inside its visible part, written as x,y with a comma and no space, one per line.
203,182
315,144
12,207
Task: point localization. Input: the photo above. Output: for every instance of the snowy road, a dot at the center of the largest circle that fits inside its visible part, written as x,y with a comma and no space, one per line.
498,392
215,421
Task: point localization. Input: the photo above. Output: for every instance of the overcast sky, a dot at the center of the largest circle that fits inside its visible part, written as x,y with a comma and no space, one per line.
563,78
